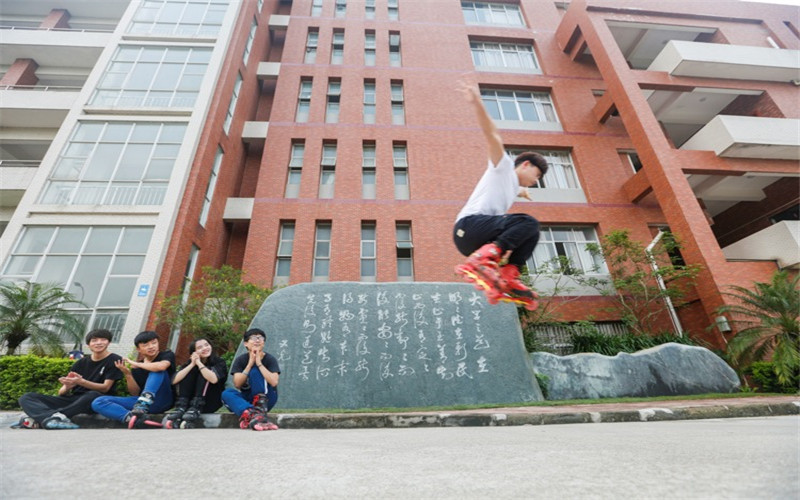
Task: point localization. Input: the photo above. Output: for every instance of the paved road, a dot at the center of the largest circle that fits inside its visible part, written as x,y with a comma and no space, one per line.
724,458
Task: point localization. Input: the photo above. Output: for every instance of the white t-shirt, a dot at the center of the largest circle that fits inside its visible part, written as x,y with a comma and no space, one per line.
495,192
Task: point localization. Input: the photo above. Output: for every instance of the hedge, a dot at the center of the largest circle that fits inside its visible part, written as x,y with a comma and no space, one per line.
21,374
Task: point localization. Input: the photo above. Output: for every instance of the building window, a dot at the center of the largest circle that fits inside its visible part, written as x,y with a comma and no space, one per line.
564,250
283,264
341,9
561,171
400,161
334,95
405,252
634,160
368,246
99,265
196,18
337,47
368,163
311,46
398,108
392,9
212,184
514,57
295,169
369,48
519,105
237,87
316,8
503,14
327,178
369,101
369,9
252,36
152,77
394,49
303,100
322,252
115,163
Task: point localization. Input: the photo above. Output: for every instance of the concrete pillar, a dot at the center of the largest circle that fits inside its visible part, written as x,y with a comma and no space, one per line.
58,18
21,72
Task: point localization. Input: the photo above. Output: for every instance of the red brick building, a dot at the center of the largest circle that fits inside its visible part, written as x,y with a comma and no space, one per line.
338,149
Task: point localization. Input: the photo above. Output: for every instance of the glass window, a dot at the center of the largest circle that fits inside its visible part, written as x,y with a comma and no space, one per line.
311,46
564,250
337,47
250,38
283,263
394,49
369,48
232,103
201,18
561,172
368,255
405,252
332,106
519,105
303,101
212,184
99,265
322,252
510,56
108,165
504,14
369,102
147,77
398,107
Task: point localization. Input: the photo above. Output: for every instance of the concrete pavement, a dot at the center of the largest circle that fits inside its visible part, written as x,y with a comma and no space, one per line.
522,415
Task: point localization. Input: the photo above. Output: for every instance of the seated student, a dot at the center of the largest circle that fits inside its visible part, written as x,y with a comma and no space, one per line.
148,380
255,378
200,382
90,377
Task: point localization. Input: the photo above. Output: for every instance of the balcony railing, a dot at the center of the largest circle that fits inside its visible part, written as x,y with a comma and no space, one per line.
36,28
42,88
20,163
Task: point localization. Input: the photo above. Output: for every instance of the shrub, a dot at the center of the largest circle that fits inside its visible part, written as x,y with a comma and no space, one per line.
766,378
610,345
21,374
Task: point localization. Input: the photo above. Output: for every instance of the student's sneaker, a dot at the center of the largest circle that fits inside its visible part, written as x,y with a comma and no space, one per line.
26,423
59,421
192,418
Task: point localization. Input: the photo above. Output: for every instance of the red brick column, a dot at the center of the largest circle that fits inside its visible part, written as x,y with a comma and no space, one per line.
21,72
58,18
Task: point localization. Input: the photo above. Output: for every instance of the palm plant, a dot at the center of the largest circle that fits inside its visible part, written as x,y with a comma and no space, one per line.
34,311
769,316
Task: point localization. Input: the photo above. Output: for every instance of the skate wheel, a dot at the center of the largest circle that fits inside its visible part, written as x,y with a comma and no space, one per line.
132,422
169,424
532,306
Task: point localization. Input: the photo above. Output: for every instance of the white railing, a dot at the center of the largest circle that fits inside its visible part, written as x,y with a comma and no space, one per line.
42,88
20,163
37,28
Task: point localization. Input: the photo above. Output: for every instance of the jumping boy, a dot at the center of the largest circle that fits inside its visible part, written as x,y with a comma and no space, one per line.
148,380
484,231
89,378
255,378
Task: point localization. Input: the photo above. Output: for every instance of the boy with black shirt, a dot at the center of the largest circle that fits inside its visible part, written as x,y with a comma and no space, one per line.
89,378
255,378
149,380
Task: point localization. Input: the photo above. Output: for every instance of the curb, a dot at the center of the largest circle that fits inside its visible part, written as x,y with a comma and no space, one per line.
468,418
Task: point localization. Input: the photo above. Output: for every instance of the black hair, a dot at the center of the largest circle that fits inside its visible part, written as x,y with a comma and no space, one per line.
144,337
212,358
100,333
253,331
536,160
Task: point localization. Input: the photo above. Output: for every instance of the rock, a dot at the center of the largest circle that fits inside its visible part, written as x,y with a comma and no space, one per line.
665,370
373,345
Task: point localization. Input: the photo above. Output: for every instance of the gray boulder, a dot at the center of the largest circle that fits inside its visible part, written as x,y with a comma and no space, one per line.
665,370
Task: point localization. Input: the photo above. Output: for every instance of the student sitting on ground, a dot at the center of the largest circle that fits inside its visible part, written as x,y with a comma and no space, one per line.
200,382
89,378
148,380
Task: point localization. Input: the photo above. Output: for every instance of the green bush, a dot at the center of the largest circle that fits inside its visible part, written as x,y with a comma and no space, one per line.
21,374
764,375
610,345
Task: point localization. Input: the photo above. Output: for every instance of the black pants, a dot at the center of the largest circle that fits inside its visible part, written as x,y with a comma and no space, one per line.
194,385
40,406
516,232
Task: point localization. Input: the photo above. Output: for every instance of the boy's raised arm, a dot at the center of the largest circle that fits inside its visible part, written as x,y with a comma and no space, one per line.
493,139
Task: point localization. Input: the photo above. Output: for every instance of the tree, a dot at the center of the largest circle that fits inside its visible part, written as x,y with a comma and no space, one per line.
219,308
769,316
637,275
35,312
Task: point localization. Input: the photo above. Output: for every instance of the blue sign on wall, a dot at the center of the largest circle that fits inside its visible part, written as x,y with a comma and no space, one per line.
143,289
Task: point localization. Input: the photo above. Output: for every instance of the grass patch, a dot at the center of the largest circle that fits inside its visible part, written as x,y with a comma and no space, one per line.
566,402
